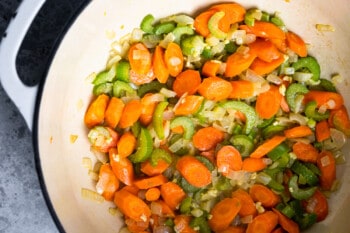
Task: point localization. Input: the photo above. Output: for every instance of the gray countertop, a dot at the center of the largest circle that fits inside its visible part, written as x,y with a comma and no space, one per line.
22,204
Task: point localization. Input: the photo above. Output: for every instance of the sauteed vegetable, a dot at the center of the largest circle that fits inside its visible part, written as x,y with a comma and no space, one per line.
217,123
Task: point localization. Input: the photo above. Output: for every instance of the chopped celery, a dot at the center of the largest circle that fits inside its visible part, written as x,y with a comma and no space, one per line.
147,23
187,125
103,88
144,148
181,31
309,64
298,193
243,143
164,28
121,88
278,151
192,45
123,69
105,76
213,25
151,87
160,154
293,90
157,119
206,162
300,169
311,112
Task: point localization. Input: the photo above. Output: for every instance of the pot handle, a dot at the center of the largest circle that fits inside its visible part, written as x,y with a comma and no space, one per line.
23,96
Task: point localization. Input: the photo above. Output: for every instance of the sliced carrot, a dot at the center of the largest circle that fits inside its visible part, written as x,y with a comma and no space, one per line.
284,105
317,204
182,224
105,142
140,58
305,152
136,226
340,120
150,170
223,213
253,164
201,22
228,159
242,89
263,194
287,224
234,13
107,183
265,30
233,229
165,210
140,79
327,99
174,59
178,129
126,144
131,189
215,88
207,138
261,67
188,82
296,44
114,112
190,104
95,113
122,167
131,113
298,132
210,68
148,107
268,103
159,67
209,154
248,206
267,146
322,130
263,223
150,182
194,171
238,62
278,230
172,194
132,206
152,194
265,50
327,166
281,44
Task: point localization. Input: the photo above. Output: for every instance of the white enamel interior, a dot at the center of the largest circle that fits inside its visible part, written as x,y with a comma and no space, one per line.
84,50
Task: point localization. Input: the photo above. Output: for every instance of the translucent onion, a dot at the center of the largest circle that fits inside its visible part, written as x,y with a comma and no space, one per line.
275,79
336,141
296,117
162,229
156,208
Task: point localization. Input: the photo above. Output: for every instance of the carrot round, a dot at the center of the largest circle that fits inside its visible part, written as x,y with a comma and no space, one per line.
131,113
194,171
210,68
174,59
287,224
265,50
242,89
248,206
126,144
263,223
317,204
159,66
322,130
132,206
215,88
234,13
139,79
107,183
148,107
188,82
330,100
114,112
253,164
238,62
201,22
95,113
150,182
136,226
122,167
263,194
268,103
223,213
150,170
190,104
305,152
228,159
261,67
298,132
265,30
267,146
327,166
140,58
152,194
296,44
207,138
182,224
172,194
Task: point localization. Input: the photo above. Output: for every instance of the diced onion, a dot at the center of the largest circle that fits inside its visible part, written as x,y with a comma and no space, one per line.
325,27
91,195
167,93
124,230
325,161
87,162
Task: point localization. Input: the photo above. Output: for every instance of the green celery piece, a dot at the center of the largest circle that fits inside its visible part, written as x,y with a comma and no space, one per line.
164,28
147,23
247,110
302,170
123,69
157,119
213,25
311,112
121,88
103,88
243,143
144,147
160,154
293,90
187,125
298,193
310,64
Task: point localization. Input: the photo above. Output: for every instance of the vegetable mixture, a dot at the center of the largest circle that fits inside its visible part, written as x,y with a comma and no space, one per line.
217,123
